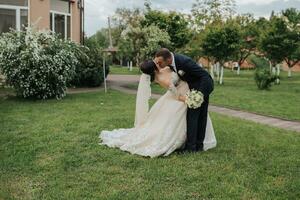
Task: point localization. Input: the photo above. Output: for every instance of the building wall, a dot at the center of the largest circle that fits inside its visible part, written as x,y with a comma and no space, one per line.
76,29
40,14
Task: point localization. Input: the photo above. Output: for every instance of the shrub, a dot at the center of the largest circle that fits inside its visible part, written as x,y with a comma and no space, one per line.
264,78
37,64
89,70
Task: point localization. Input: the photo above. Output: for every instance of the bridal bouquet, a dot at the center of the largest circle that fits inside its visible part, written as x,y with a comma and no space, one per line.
194,99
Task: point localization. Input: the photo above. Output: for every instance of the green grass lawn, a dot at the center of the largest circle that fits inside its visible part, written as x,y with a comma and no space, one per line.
116,69
240,92
49,150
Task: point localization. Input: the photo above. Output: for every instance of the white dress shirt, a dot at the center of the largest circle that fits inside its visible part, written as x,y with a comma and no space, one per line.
173,62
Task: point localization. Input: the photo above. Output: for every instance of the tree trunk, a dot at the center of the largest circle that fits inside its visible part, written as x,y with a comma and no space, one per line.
128,65
274,70
211,67
238,69
218,70
130,68
121,61
290,72
221,76
278,69
271,67
278,73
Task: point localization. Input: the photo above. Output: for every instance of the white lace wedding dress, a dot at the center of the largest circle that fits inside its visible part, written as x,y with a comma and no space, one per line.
162,131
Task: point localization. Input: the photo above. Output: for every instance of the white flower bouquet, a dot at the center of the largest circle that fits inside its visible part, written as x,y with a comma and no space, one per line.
194,99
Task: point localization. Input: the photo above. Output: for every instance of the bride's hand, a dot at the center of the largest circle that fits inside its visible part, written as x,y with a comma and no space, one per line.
182,98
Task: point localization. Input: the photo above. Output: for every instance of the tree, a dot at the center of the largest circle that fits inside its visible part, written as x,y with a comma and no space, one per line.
124,17
142,43
155,39
212,11
125,49
279,43
249,37
221,44
98,40
174,23
292,18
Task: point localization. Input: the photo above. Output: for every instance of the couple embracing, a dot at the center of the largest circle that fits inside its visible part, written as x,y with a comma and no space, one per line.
179,120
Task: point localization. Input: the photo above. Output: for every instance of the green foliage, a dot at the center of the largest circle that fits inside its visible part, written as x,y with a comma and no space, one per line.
98,40
221,43
291,16
249,36
259,62
155,39
141,43
173,23
89,70
279,42
37,64
264,78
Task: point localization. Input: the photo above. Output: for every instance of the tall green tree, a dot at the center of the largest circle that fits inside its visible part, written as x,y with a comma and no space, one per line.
249,37
292,18
141,43
279,42
221,44
174,23
98,40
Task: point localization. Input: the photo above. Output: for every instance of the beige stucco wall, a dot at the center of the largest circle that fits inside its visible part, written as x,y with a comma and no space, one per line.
40,13
75,22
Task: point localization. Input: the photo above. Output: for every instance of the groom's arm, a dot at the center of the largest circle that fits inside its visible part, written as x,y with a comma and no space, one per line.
192,68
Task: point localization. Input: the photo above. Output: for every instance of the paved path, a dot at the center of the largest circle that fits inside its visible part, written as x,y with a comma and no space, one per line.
118,82
83,90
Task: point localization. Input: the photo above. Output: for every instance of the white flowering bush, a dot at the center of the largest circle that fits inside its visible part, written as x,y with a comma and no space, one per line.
194,99
37,64
89,70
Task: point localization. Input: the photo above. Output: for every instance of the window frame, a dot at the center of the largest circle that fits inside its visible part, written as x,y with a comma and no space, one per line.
66,15
18,13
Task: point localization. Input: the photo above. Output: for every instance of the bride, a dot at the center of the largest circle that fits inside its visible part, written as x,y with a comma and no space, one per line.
162,129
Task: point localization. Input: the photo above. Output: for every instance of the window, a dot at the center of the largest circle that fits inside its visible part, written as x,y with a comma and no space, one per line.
14,2
13,14
60,6
60,18
7,20
24,18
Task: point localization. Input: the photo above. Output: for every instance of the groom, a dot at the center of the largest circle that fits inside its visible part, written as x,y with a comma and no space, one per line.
198,79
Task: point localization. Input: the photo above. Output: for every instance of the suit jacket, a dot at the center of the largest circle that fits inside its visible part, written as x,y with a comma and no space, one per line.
196,77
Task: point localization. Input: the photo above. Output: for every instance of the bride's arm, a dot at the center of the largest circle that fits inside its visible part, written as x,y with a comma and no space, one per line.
168,84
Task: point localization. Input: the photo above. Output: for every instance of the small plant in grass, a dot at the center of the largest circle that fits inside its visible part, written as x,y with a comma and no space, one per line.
37,64
264,78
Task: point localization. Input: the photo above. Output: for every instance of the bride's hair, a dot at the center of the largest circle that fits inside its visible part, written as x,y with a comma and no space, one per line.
149,67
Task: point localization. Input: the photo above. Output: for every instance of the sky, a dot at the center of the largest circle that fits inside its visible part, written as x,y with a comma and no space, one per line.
97,11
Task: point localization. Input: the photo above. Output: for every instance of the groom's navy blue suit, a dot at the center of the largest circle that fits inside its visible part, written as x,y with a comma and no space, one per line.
199,79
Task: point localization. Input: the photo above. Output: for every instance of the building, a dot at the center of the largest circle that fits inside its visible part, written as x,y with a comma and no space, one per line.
65,17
